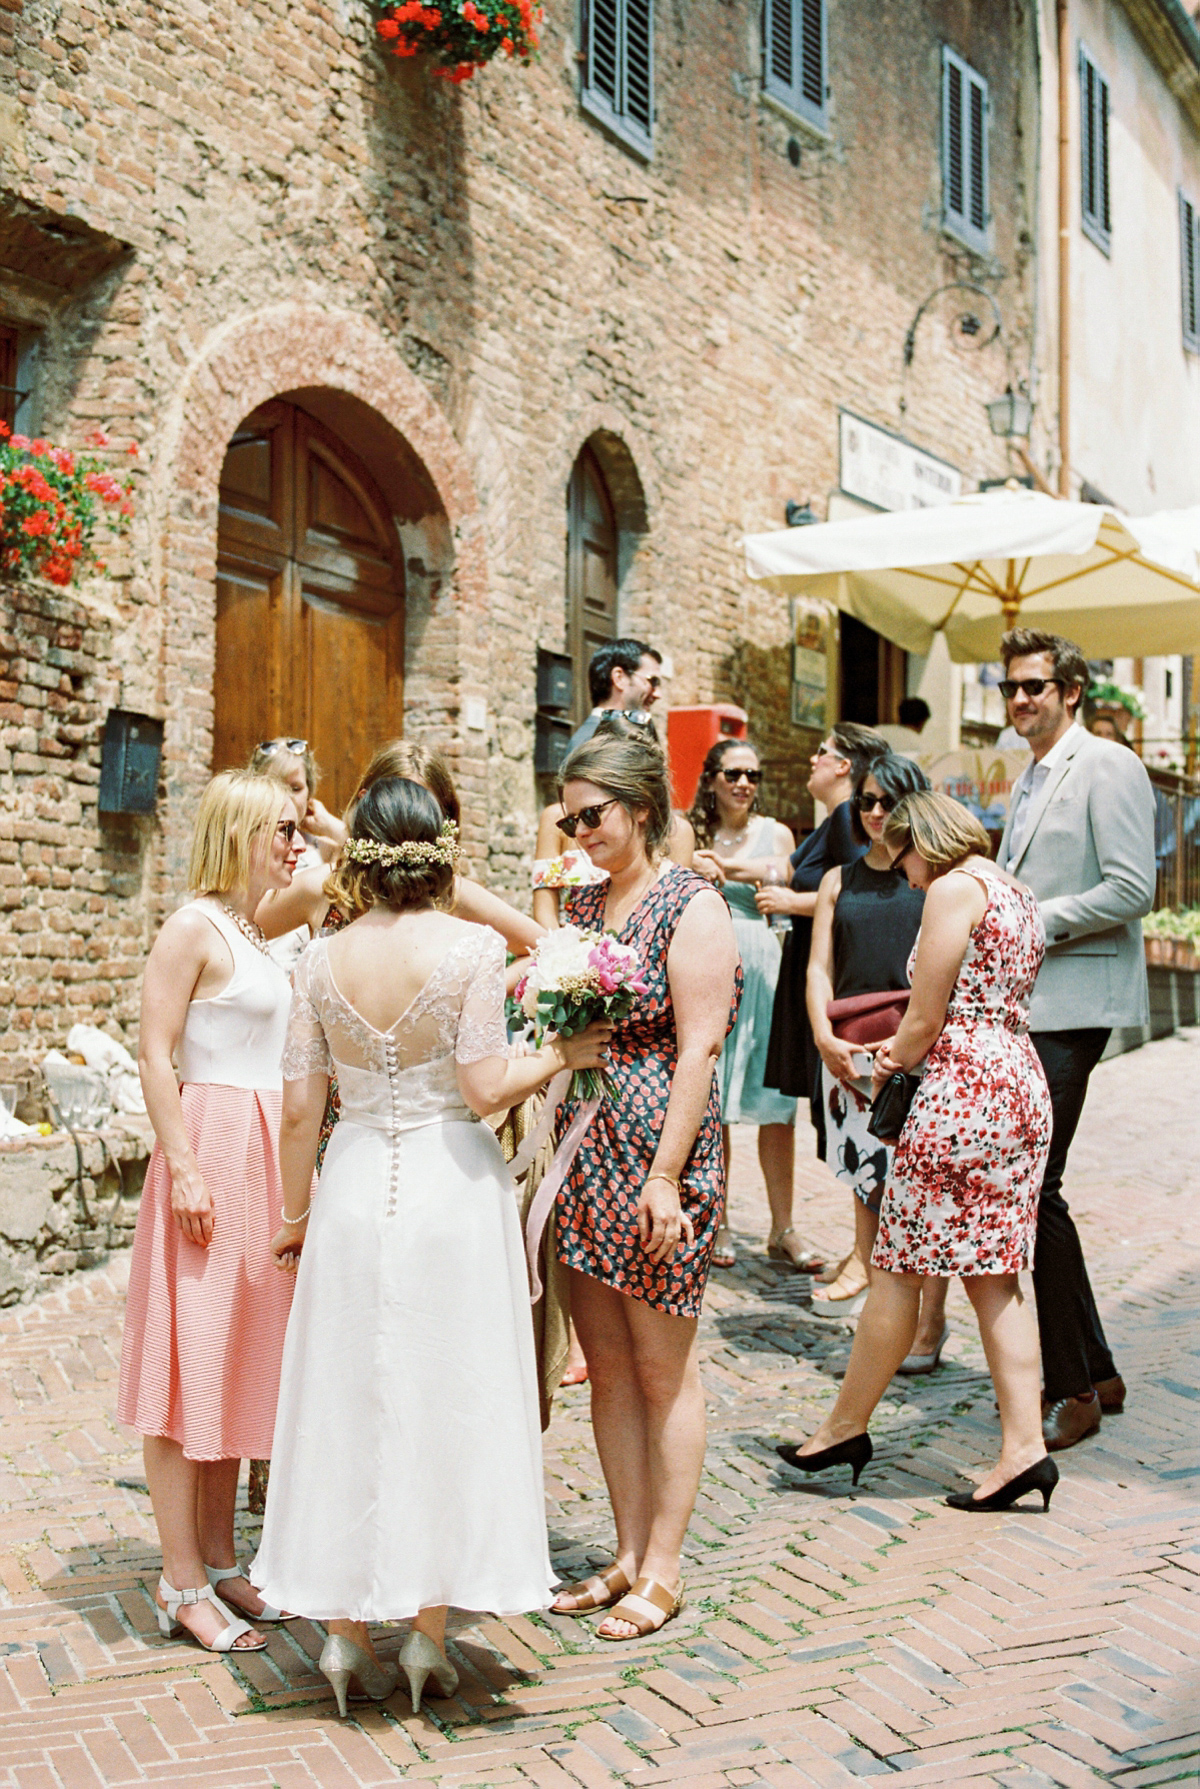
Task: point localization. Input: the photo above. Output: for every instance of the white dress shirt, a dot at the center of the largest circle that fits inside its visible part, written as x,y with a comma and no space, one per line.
1028,787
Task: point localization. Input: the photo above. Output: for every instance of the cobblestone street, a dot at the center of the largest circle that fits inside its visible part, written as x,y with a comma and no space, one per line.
829,1634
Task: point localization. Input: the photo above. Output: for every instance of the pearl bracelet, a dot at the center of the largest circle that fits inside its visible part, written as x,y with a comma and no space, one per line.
295,1223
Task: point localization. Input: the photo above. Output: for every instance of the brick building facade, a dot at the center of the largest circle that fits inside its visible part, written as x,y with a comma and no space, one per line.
210,209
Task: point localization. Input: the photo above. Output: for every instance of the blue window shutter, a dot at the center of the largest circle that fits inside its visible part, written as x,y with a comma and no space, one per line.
1094,190
964,151
1189,273
618,82
794,57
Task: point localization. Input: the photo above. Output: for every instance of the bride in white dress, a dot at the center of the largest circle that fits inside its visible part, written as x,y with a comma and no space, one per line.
406,1473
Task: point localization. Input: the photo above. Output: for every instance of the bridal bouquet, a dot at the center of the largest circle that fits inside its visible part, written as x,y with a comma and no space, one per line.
575,977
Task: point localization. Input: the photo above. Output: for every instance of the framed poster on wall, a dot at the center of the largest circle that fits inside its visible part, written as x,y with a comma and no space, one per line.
810,662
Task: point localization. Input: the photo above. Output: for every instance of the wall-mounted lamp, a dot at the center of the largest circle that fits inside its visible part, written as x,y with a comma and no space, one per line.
798,515
1010,416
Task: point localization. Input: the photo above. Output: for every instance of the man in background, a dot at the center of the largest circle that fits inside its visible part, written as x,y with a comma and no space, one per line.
1080,834
624,677
904,735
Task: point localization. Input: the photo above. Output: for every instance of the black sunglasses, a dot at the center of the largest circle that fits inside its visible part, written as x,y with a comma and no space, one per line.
753,777
288,828
1032,686
866,803
589,817
268,747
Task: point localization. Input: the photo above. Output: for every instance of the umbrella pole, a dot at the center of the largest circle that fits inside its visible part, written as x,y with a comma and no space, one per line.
1010,598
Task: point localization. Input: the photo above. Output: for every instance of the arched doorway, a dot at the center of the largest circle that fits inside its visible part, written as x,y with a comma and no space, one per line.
310,600
592,571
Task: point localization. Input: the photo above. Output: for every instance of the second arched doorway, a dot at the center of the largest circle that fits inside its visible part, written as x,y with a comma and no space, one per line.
310,600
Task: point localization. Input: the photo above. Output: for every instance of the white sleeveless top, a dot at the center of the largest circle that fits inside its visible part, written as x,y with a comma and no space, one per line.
235,1038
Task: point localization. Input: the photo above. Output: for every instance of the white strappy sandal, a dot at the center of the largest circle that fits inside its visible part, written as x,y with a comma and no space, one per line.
217,1574
169,1623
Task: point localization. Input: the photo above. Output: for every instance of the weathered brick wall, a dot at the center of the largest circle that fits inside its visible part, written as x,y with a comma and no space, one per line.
71,888
532,285
62,1209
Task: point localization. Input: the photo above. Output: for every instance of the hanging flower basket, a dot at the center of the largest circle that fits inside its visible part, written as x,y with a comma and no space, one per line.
459,36
49,504
1104,693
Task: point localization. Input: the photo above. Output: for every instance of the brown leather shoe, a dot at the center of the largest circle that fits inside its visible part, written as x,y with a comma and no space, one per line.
1069,1421
1112,1394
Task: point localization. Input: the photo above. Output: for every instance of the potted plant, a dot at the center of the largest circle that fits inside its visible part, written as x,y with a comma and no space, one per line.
50,501
1117,702
459,36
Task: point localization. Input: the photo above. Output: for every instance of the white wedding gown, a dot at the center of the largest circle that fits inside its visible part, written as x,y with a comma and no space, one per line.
407,1462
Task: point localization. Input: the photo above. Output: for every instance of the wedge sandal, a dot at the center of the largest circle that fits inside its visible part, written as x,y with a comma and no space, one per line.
647,1607
599,1592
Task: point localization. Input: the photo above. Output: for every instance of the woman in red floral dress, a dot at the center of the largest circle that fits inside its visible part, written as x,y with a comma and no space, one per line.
963,1191
638,1215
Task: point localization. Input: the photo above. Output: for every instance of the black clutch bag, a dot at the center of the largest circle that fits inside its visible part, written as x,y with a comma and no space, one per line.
891,1106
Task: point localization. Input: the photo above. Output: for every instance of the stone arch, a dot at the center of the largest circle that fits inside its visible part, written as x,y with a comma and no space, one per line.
343,368
624,459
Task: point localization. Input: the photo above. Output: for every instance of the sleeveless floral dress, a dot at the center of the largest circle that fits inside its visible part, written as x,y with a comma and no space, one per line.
962,1196
596,1224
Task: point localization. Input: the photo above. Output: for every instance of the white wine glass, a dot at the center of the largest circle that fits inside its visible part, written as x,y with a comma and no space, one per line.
774,877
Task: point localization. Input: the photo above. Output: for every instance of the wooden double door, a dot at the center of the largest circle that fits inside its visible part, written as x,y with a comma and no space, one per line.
310,600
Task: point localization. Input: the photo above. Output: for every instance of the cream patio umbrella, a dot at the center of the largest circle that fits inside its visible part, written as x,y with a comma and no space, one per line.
1119,586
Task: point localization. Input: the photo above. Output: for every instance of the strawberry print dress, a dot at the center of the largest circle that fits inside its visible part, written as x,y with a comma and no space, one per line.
596,1221
962,1196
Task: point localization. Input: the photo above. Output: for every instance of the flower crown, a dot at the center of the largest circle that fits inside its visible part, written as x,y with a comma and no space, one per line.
418,852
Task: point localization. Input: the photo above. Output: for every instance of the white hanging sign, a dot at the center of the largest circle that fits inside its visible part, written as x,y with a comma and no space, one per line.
883,469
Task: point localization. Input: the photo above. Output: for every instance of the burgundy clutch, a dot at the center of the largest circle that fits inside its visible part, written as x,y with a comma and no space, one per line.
868,1018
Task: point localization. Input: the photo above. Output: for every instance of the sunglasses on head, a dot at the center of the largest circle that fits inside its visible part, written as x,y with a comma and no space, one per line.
753,777
1032,686
867,803
637,717
288,828
268,747
589,817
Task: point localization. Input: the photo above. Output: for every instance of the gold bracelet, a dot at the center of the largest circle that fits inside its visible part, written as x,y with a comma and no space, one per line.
669,1178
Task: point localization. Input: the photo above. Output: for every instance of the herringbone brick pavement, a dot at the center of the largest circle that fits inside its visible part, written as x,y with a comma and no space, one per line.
829,1635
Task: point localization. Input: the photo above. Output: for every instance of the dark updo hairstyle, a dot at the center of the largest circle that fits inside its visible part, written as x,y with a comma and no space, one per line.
392,811
630,766
897,777
703,811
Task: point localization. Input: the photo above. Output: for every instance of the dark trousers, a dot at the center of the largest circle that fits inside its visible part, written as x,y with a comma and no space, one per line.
1075,1354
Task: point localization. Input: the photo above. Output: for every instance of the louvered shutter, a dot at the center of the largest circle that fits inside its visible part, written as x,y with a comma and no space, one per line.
1093,153
1189,252
964,151
619,79
794,56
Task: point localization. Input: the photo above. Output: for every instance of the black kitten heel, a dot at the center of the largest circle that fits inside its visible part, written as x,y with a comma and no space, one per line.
853,1453
1041,1476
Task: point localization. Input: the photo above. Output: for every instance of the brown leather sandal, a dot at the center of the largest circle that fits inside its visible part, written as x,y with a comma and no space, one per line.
599,1592
648,1606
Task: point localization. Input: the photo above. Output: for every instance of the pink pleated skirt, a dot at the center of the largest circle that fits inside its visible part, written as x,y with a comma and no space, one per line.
204,1328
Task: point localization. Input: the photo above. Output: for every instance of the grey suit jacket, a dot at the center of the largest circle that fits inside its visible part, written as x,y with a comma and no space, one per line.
1087,853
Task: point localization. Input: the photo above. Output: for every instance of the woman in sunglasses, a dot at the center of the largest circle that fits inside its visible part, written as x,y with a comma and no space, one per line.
285,915
206,1311
864,929
638,1214
730,830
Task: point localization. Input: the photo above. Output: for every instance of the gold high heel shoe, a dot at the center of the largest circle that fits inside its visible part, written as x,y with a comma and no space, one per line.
419,1659
343,1662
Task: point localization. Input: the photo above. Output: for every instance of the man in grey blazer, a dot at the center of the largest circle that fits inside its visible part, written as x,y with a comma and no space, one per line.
1080,834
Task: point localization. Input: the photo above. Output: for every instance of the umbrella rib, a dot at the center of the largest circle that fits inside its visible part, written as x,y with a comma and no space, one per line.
969,573
1125,556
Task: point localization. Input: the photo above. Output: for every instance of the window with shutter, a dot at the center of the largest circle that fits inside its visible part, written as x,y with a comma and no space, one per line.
1189,270
964,152
795,60
1093,153
618,69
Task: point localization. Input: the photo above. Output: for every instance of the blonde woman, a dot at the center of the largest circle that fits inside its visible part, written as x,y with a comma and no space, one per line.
206,1313
962,1193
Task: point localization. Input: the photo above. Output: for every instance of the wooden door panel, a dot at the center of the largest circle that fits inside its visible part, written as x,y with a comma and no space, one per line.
310,609
591,571
352,694
245,690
